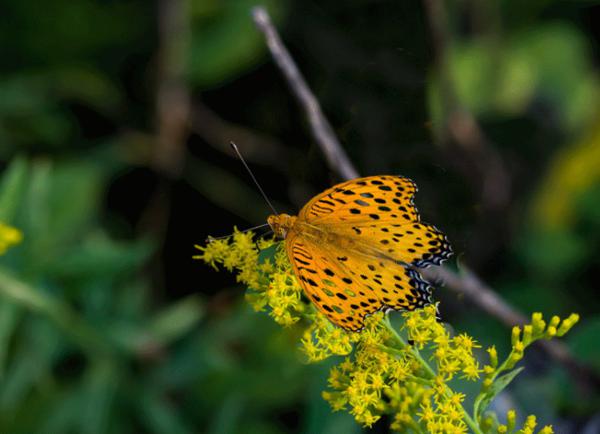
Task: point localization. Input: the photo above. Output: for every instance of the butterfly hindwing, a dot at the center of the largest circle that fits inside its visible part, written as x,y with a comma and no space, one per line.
417,244
347,286
325,284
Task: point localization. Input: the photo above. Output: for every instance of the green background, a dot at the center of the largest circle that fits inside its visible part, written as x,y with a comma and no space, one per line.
115,118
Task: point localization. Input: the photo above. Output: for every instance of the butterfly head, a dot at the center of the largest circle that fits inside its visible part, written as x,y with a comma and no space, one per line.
281,224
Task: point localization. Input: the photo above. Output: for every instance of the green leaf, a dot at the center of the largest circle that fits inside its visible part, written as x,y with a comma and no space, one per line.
98,256
583,340
268,253
9,317
31,362
159,415
177,319
483,401
167,326
100,387
553,253
12,187
225,41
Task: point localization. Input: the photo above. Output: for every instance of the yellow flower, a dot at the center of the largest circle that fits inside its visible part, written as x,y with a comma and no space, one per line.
9,237
567,324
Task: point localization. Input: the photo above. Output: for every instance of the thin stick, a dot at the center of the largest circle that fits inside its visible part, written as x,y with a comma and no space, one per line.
237,151
320,127
210,238
467,284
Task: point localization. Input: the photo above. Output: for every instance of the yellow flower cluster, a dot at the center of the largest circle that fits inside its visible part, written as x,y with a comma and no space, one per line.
408,372
452,355
521,338
9,236
270,280
321,339
414,392
528,427
362,380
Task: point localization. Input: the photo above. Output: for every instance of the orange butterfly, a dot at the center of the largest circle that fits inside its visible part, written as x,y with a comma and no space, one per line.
356,247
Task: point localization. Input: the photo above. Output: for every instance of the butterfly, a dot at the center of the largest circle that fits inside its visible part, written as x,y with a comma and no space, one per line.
356,249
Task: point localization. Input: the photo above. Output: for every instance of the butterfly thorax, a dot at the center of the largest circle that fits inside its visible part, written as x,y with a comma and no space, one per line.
281,224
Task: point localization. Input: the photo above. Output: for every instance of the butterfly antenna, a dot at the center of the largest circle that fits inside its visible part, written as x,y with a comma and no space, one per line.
211,238
237,151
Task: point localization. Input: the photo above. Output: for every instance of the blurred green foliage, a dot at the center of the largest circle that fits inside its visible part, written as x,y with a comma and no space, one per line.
106,325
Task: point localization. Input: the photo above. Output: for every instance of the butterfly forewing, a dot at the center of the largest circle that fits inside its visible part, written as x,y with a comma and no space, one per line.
379,211
364,199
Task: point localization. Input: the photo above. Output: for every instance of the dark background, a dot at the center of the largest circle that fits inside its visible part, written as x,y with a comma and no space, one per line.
115,118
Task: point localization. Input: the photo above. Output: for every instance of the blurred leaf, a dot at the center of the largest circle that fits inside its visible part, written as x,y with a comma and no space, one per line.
65,409
228,417
549,63
573,170
85,85
553,253
100,383
583,340
62,201
471,67
12,186
65,36
224,39
31,362
98,256
177,319
30,116
56,310
160,416
558,54
167,326
9,316
318,417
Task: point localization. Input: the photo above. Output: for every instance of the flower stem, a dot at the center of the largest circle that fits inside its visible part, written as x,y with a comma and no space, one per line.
430,372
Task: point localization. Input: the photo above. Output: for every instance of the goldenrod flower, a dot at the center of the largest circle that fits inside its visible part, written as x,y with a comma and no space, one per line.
381,373
9,237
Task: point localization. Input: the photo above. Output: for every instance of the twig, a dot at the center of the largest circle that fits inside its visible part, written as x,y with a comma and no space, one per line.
467,283
258,147
172,111
320,127
172,94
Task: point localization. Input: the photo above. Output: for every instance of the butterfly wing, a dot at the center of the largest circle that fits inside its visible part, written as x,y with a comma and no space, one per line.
379,212
364,199
347,285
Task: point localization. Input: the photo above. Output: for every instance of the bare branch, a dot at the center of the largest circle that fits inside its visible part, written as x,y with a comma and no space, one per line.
172,93
320,127
258,147
471,287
